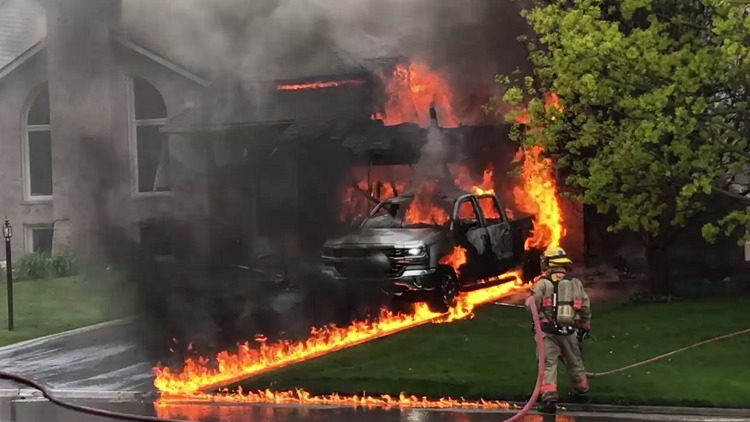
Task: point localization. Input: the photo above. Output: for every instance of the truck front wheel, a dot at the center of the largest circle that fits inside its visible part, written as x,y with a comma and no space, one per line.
446,293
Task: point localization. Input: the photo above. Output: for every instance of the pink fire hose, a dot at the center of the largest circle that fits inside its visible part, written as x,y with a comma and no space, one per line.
540,374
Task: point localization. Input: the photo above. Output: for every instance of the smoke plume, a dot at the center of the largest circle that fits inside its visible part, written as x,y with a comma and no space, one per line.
191,299
276,39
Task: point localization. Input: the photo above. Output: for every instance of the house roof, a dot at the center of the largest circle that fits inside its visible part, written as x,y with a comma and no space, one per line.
22,26
23,32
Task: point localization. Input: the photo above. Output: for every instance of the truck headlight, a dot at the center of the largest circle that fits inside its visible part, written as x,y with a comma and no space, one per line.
412,252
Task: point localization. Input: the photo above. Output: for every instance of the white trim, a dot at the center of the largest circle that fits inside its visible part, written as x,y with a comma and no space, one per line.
25,155
23,58
133,124
164,62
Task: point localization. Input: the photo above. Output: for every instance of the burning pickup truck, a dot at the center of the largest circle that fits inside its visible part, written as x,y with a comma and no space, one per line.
428,246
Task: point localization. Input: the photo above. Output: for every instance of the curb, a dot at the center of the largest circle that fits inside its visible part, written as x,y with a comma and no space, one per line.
659,410
41,340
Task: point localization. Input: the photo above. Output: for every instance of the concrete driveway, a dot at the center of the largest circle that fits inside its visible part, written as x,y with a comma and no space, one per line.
98,358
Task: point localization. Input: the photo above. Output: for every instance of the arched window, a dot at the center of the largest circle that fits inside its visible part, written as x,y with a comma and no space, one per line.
148,113
37,147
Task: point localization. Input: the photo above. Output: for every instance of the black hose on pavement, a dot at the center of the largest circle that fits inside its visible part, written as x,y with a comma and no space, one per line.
78,408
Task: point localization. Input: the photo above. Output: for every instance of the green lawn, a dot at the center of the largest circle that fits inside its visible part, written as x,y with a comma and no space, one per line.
43,307
492,357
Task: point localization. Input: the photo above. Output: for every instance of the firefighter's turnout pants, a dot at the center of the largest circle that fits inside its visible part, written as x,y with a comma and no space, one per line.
558,346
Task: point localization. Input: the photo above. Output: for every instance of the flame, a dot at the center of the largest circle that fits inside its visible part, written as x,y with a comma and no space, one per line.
487,187
456,259
319,85
423,211
538,195
410,94
356,206
190,407
198,375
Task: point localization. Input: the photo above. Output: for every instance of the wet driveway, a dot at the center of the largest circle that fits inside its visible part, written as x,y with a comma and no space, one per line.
42,411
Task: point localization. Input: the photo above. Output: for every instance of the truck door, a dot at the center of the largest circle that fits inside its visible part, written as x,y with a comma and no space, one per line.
498,228
470,233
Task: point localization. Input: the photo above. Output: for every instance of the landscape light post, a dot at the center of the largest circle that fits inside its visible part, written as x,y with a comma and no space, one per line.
7,234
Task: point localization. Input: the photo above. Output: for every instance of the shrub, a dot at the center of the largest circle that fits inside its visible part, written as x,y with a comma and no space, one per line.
32,266
37,265
63,265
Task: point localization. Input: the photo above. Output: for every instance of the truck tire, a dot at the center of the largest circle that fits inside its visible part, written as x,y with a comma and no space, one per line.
446,294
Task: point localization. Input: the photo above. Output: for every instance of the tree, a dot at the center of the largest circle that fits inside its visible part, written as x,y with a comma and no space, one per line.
654,120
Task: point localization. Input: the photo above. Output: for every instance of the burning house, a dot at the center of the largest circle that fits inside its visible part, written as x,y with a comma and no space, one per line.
301,150
294,162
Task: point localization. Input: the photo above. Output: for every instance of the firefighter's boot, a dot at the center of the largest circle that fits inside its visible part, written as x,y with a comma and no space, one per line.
548,407
582,397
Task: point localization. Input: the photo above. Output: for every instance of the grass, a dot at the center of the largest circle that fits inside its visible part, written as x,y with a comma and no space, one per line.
43,307
493,357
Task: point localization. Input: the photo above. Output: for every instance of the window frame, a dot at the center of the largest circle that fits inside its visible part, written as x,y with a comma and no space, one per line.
26,128
133,125
28,235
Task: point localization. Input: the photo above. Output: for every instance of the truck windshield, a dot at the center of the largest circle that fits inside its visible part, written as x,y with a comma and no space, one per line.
390,215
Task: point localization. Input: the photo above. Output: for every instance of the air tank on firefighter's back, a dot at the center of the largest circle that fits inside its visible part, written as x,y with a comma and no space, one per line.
565,310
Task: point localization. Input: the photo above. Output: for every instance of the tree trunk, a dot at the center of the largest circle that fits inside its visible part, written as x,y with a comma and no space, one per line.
658,261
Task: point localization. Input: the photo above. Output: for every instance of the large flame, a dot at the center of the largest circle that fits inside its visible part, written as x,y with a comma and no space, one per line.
198,375
455,259
538,195
411,91
487,187
423,209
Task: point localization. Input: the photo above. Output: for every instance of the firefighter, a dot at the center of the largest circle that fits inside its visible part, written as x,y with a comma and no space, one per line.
565,316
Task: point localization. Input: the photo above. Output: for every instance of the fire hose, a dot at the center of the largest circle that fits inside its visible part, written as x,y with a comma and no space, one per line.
130,417
674,352
78,408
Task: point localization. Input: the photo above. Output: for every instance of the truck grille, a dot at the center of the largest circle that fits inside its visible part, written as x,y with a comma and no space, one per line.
358,266
351,253
354,270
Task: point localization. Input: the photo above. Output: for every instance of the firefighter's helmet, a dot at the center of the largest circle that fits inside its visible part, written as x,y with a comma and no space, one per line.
556,257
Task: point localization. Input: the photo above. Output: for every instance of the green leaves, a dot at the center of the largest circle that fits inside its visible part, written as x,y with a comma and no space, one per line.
654,93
